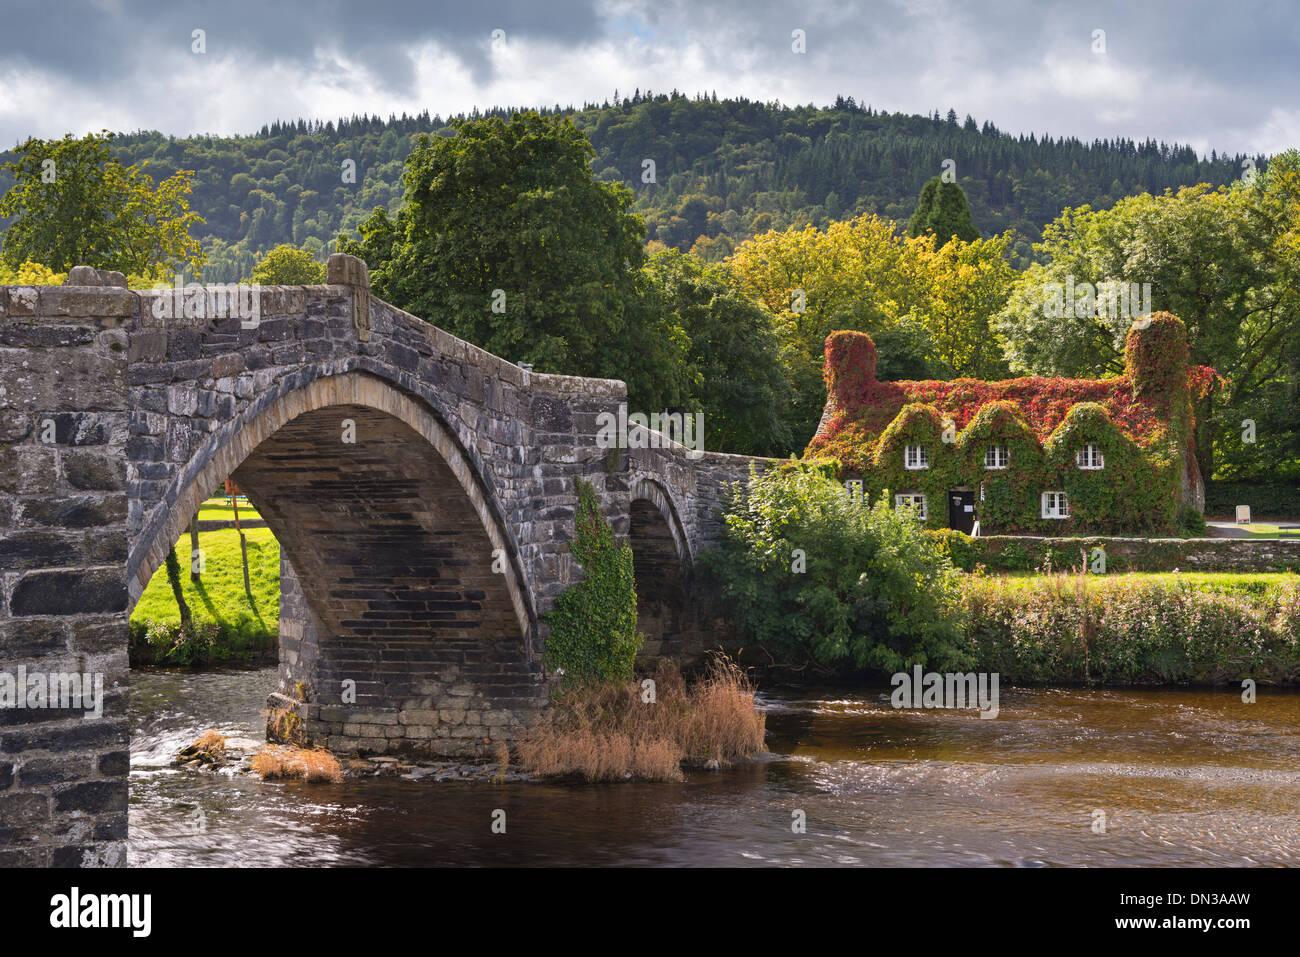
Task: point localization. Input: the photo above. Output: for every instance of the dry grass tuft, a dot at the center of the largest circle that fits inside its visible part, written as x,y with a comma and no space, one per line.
610,732
208,748
304,764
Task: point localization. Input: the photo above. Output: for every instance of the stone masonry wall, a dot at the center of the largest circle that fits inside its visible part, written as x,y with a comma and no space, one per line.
63,546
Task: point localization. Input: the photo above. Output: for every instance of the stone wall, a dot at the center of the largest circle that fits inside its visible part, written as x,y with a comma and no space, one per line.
63,547
1022,552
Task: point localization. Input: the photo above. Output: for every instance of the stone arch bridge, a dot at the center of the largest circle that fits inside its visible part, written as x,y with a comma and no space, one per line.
422,491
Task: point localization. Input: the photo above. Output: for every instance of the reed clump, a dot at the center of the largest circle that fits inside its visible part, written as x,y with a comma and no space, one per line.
283,762
646,730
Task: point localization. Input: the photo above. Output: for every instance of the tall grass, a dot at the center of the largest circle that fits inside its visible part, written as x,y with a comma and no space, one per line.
611,731
1126,629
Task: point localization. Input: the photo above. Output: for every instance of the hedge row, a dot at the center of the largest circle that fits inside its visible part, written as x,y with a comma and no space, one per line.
1266,499
1019,553
1077,628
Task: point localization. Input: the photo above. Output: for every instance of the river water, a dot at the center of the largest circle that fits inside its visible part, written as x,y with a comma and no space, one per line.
1181,777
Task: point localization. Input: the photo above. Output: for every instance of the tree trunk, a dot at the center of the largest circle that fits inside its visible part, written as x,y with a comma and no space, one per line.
195,574
243,551
174,576
1205,438
243,542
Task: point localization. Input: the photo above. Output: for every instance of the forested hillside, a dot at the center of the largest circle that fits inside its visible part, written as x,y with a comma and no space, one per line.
723,170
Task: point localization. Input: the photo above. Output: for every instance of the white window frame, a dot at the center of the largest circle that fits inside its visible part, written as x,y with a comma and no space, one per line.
915,458
1001,457
1089,458
917,499
1059,507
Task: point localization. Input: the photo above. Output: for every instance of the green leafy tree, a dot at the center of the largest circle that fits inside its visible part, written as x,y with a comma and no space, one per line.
73,204
942,210
593,623
1216,258
288,265
732,357
507,239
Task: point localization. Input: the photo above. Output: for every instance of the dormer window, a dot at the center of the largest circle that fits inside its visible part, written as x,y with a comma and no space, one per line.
915,457
1089,457
911,500
997,457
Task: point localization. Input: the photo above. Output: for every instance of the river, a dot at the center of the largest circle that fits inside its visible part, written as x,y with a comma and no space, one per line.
1182,777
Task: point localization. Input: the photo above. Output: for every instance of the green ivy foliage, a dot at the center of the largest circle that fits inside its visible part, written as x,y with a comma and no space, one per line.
1010,498
819,578
917,424
1136,490
593,623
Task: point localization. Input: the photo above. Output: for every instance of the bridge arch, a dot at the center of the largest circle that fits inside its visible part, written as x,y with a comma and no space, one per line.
662,562
225,451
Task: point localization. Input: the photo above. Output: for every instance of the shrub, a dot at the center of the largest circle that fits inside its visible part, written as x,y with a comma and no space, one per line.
593,623
819,579
1191,523
957,545
189,644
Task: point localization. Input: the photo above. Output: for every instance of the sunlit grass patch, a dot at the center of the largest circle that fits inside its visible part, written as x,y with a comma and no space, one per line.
244,626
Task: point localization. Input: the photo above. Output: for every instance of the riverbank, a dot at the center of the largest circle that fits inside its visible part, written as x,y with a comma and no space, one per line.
1125,630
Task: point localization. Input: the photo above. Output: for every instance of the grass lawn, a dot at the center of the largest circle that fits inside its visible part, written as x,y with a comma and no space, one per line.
219,594
1262,530
1253,583
218,509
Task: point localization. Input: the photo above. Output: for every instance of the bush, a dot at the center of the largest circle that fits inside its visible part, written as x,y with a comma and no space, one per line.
819,579
189,644
1191,523
957,545
593,623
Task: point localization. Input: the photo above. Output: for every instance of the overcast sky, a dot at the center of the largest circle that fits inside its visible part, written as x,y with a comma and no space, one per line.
1216,75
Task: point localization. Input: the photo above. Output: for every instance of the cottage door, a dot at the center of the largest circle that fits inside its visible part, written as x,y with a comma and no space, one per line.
961,510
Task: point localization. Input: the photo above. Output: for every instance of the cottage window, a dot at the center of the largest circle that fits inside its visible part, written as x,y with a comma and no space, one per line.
1055,505
1090,457
997,457
915,457
911,500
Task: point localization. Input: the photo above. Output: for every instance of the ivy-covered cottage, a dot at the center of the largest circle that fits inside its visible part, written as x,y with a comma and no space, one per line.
1034,455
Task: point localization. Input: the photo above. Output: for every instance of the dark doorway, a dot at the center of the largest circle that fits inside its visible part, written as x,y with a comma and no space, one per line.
961,510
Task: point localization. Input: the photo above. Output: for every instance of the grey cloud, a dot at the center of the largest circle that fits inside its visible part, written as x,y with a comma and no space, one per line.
1208,73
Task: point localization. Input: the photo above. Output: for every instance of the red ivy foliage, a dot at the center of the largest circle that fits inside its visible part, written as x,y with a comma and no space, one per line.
1141,402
